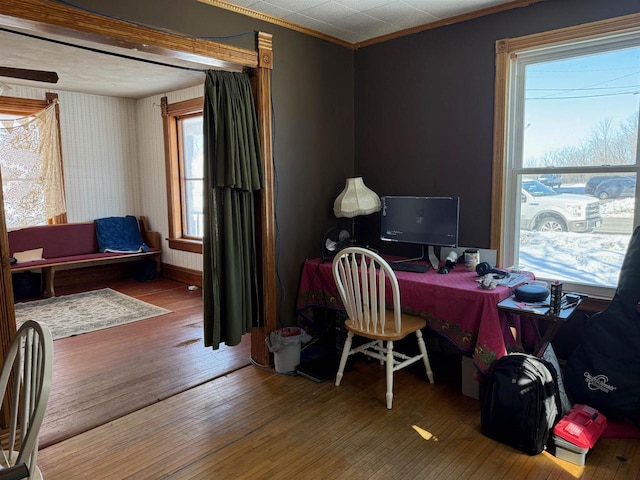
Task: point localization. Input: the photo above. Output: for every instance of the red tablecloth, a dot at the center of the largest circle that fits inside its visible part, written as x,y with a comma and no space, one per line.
452,305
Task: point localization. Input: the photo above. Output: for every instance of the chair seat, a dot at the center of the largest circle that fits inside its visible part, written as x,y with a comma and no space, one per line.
410,324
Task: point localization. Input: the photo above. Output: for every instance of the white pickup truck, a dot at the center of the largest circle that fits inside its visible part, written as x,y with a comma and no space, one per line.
546,210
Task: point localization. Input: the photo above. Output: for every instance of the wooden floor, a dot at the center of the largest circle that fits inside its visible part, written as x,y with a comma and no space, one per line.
103,375
255,424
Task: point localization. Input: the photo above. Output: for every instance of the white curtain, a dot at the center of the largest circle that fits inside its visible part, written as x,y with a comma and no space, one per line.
31,168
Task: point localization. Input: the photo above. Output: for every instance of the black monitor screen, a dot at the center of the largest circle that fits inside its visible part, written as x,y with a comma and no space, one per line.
422,220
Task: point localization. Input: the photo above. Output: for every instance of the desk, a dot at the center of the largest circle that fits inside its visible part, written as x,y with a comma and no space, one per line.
510,304
452,304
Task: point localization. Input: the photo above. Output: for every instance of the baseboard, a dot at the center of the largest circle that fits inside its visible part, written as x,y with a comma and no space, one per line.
181,274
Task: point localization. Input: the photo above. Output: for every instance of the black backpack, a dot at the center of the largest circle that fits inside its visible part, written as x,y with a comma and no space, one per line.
520,402
604,369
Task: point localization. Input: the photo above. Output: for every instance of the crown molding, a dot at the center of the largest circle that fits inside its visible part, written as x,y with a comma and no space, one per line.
276,21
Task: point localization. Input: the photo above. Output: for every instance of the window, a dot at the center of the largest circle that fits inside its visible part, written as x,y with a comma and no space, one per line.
31,160
185,180
566,152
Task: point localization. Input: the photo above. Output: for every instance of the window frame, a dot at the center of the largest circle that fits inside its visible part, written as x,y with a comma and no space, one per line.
503,221
171,115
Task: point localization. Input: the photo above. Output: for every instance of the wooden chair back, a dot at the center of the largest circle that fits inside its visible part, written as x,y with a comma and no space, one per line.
363,278
28,368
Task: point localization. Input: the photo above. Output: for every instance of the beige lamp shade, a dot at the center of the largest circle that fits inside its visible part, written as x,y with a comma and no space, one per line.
356,199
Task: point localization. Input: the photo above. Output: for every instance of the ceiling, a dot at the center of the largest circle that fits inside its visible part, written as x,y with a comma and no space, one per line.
356,21
85,70
345,21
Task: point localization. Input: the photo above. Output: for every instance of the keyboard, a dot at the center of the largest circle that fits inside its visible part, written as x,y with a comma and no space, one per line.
409,267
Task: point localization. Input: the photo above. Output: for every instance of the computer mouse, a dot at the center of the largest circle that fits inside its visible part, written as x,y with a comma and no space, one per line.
443,270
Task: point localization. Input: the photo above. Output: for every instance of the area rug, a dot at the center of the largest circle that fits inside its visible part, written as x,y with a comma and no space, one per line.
86,312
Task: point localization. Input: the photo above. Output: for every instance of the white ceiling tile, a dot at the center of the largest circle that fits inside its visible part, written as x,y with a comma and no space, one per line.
451,8
295,5
363,5
365,25
271,9
377,30
329,12
308,22
401,15
344,19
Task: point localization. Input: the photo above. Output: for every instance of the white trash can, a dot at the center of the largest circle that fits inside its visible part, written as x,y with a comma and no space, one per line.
285,345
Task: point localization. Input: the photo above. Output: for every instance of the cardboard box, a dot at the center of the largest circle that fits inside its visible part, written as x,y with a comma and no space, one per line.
470,385
569,452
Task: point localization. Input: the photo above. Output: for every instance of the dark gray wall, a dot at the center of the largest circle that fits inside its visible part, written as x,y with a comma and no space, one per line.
424,107
312,88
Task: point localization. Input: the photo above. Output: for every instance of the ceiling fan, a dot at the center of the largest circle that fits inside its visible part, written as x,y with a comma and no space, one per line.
27,74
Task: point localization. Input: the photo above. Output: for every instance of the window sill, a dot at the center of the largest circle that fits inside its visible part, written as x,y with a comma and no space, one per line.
194,246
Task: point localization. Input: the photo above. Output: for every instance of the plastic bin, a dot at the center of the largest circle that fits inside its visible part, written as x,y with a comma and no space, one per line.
569,452
285,345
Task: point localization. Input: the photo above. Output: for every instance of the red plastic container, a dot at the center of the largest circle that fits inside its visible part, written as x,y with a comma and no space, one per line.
582,426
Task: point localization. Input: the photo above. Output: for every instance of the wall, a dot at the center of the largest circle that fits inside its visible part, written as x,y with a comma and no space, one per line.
424,103
151,159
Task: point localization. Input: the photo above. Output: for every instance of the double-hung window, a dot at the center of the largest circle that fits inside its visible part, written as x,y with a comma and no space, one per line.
566,158
185,184
31,162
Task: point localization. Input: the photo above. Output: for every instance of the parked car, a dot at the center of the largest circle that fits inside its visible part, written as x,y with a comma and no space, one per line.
615,187
552,180
546,210
593,182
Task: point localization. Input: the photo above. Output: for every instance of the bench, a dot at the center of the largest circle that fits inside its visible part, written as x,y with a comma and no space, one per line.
73,245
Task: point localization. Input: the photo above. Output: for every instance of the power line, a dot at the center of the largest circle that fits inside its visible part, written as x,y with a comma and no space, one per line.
636,92
576,89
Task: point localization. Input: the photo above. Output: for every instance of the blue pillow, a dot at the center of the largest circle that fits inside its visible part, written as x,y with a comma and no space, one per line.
119,234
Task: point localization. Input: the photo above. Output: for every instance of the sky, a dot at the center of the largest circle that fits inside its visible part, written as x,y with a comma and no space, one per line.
566,99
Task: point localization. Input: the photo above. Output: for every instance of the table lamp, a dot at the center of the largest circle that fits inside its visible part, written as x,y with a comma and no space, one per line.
356,199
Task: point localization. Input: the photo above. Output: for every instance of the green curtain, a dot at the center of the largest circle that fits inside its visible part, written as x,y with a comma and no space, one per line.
232,173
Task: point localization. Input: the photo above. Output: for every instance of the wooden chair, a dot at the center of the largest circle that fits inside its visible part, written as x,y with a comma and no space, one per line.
363,278
28,368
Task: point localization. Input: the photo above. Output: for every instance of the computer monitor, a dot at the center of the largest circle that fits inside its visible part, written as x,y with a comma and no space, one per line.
426,221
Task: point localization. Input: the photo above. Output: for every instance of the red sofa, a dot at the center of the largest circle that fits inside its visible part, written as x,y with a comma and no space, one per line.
73,244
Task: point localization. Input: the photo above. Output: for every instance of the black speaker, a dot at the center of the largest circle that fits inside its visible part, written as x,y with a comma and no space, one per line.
531,293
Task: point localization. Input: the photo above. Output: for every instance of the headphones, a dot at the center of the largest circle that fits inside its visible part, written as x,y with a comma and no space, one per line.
485,268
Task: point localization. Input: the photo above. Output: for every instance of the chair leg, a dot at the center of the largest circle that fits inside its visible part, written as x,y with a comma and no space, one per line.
389,362
343,358
425,357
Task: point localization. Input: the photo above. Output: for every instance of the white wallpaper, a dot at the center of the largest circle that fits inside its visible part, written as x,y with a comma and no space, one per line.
153,187
113,153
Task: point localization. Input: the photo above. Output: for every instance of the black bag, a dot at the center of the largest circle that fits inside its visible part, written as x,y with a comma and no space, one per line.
520,402
604,369
145,270
26,285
